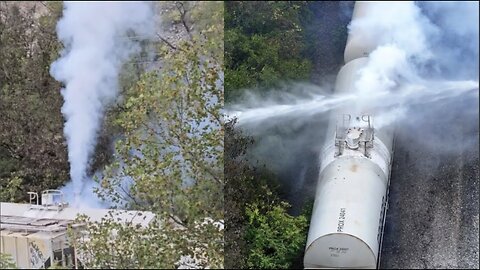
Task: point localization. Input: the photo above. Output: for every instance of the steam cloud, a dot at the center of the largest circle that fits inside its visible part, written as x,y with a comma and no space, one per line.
94,35
408,58
426,57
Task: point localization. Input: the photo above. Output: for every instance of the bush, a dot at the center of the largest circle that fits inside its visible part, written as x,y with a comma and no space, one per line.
6,262
275,238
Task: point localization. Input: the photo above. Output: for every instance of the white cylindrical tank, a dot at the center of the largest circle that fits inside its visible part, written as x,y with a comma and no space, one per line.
344,230
351,198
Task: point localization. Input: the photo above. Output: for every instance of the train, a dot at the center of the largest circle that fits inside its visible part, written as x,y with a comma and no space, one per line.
351,199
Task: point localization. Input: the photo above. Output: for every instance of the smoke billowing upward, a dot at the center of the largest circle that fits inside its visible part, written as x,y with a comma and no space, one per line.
96,45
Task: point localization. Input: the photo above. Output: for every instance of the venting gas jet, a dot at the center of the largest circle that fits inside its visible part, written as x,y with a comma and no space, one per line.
346,228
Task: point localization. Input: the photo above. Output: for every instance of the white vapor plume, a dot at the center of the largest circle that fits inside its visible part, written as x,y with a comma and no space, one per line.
94,35
399,23
405,55
398,55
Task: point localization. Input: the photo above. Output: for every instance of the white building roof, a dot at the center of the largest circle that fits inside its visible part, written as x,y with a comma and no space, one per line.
28,217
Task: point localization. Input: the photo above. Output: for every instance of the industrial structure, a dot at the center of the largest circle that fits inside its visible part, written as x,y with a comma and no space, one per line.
35,235
349,212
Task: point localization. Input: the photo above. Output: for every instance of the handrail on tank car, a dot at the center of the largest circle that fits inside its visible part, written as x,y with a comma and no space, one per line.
32,196
54,193
368,119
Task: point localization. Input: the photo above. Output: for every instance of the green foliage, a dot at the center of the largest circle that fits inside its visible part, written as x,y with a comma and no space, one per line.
12,190
264,45
6,262
109,244
275,238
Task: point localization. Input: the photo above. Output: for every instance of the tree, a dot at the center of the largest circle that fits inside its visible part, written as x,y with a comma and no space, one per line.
264,45
32,148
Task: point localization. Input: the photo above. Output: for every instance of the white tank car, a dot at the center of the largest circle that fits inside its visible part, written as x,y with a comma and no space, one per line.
348,216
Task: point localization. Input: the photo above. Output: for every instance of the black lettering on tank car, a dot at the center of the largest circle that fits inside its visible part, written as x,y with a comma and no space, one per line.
341,220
